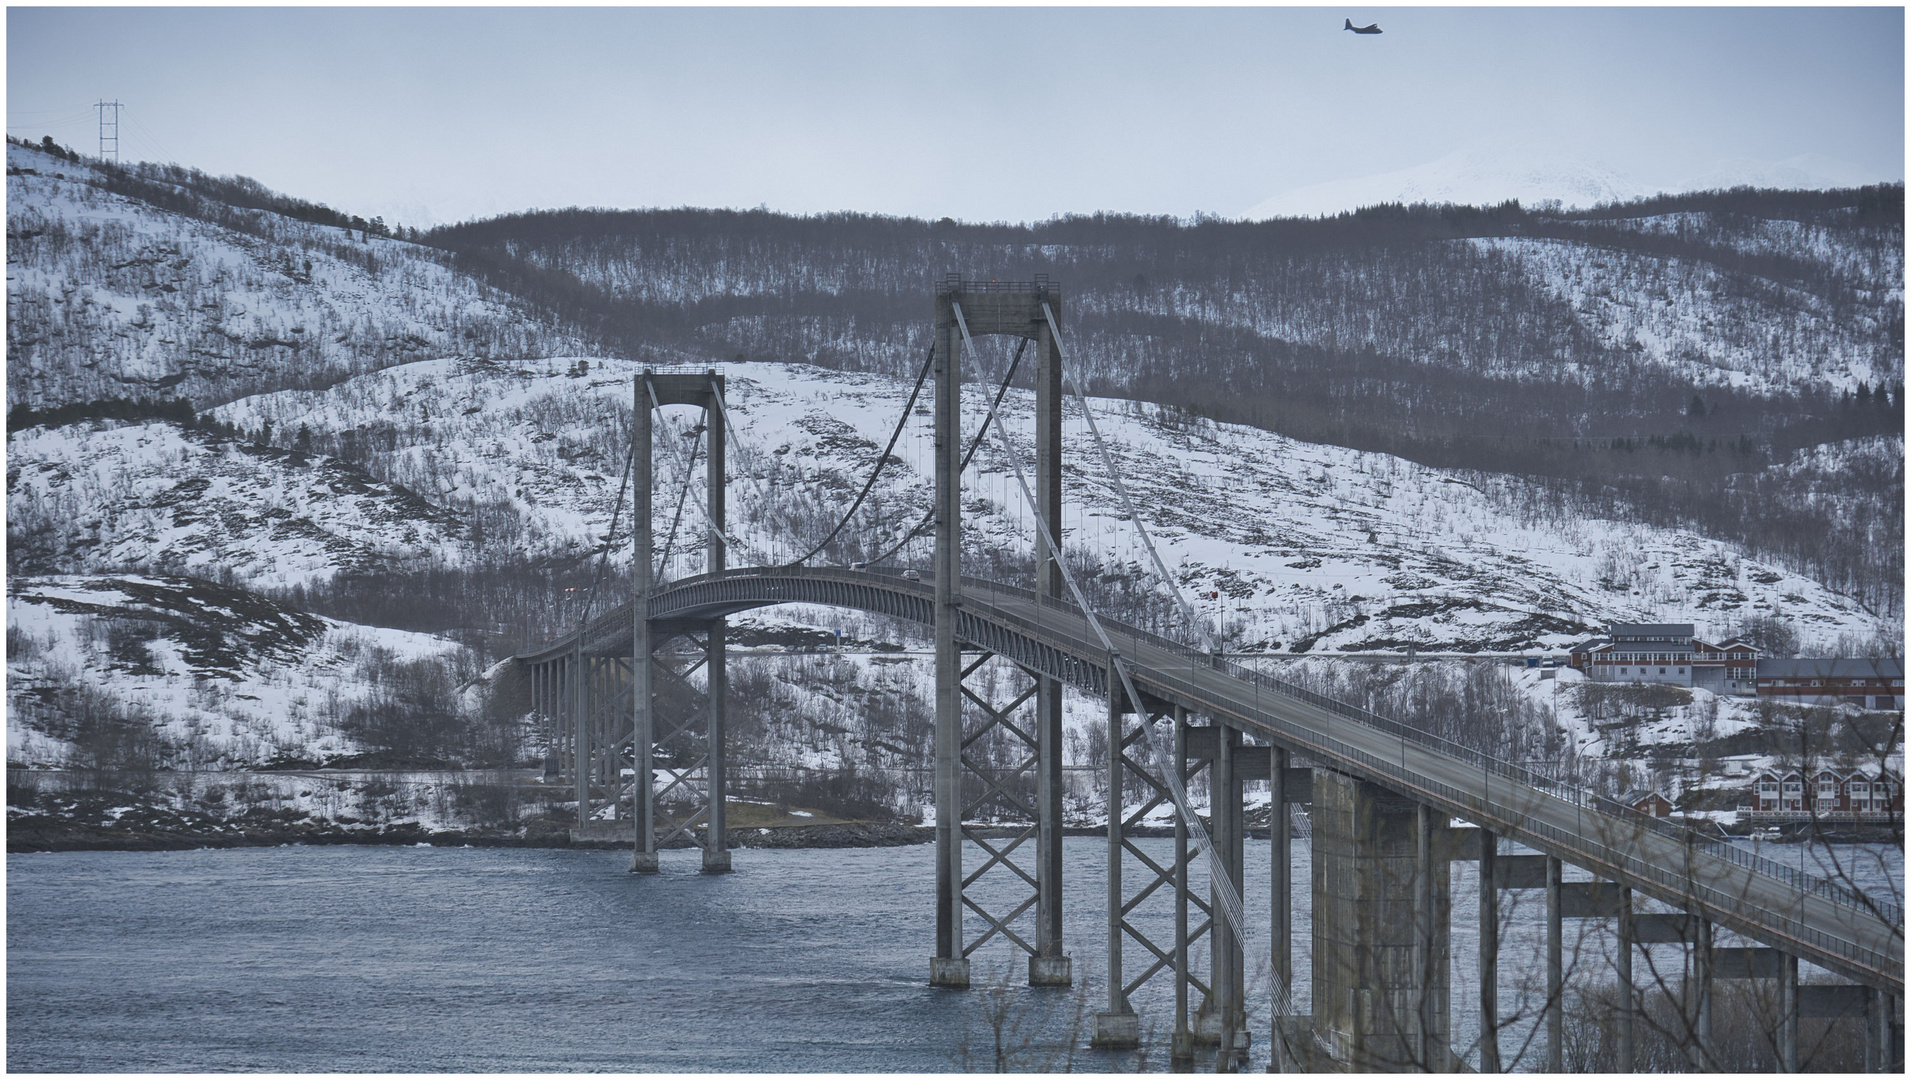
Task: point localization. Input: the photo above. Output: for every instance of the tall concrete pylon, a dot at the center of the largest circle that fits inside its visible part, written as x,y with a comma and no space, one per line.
1014,309
700,720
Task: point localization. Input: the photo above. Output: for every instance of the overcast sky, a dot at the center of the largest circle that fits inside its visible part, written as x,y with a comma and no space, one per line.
428,115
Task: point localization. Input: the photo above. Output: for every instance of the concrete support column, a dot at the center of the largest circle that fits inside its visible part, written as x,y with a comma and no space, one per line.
1878,1050
1788,1013
1555,975
1226,968
1371,975
1118,1027
643,852
1280,912
1628,993
1181,1046
544,725
1427,1052
1894,1035
716,846
949,967
1049,966
716,843
1703,1056
1489,955
580,724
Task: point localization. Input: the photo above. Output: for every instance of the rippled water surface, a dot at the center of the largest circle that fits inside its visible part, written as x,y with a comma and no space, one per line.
472,959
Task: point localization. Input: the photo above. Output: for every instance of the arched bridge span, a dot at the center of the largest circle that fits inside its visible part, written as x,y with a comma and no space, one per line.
1815,920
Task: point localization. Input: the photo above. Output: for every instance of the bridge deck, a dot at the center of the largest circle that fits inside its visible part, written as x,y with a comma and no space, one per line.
1829,926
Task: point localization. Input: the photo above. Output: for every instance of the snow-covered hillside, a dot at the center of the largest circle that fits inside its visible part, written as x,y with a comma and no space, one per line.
1296,549
1311,547
181,673
1696,319
155,497
110,296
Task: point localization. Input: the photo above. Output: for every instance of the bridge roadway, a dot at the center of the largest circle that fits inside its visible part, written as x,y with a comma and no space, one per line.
1816,921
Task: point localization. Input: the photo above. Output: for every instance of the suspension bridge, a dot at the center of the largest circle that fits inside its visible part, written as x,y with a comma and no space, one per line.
1392,806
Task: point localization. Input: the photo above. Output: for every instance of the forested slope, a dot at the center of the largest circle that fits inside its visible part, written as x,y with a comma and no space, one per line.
1653,360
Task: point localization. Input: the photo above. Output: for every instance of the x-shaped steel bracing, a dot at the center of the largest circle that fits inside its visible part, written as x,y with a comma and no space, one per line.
999,790
1139,764
688,780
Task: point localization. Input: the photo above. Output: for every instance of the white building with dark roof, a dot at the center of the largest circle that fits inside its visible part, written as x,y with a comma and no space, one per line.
1668,653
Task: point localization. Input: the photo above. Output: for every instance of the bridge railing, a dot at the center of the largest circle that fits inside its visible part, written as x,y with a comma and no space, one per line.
1684,877
1563,790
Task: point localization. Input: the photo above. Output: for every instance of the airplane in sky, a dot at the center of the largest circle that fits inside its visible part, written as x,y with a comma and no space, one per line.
1371,28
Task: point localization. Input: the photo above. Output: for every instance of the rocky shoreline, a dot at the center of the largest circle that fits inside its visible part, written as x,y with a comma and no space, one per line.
50,821
160,829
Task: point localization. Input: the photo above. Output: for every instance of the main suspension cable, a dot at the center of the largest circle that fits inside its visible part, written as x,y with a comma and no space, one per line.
974,445
921,377
617,509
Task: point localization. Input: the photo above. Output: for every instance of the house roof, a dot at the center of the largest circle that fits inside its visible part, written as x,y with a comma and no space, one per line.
1830,667
1639,795
1652,631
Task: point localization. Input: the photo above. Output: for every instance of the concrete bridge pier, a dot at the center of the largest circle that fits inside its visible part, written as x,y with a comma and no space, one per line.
1489,953
1555,972
1788,1013
1704,1055
1380,934
1628,991
1281,1055
1222,1018
1117,1027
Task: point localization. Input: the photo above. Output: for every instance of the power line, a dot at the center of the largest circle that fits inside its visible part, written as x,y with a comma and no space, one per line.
150,140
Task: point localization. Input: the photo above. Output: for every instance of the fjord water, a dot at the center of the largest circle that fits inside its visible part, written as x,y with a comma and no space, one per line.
524,960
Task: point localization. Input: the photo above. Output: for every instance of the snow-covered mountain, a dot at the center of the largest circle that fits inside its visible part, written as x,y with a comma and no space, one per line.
1686,316
1286,547
369,413
106,497
1803,172
1476,175
182,673
113,296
